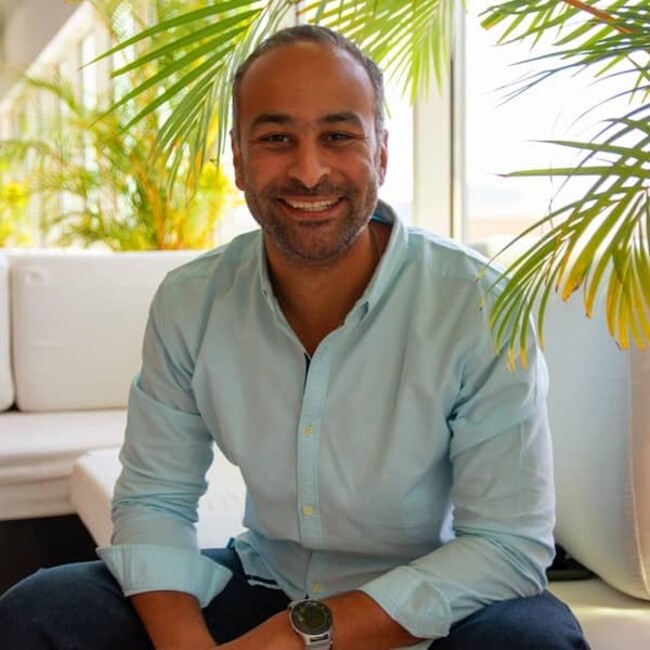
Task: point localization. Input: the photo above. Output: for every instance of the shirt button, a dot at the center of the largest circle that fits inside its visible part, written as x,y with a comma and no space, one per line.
316,588
308,430
308,511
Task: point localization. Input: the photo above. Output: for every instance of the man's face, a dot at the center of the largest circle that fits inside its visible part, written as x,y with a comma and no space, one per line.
306,151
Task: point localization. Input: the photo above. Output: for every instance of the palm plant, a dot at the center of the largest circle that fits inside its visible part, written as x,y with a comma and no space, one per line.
600,237
98,180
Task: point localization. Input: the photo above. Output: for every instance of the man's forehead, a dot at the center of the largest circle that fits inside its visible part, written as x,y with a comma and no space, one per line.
304,76
304,51
284,64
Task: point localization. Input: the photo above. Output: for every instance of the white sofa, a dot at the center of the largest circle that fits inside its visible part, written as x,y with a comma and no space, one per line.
71,327
77,327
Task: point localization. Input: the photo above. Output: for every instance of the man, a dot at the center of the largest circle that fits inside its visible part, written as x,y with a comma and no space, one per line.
343,362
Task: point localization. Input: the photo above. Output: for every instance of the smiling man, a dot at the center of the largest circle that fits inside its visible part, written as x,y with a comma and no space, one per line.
310,156
399,479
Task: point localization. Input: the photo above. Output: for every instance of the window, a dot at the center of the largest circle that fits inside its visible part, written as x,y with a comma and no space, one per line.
398,186
496,137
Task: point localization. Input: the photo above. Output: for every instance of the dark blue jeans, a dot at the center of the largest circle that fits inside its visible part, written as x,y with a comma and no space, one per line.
81,607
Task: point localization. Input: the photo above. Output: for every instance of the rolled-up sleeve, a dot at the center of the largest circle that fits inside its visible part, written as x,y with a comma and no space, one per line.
503,504
165,456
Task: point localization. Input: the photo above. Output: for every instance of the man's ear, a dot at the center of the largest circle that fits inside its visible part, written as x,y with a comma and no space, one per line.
382,155
236,160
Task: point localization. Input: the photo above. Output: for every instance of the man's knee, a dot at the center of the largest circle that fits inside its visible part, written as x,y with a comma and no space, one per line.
64,606
538,623
21,607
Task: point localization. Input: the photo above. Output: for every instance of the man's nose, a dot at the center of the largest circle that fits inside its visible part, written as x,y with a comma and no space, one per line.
309,164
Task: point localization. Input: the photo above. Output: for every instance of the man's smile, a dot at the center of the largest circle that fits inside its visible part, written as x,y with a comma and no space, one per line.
313,205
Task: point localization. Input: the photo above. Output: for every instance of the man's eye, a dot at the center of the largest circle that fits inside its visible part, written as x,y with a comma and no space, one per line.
337,136
275,138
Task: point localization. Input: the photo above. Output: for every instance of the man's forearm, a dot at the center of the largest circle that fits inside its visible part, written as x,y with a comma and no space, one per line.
359,623
173,620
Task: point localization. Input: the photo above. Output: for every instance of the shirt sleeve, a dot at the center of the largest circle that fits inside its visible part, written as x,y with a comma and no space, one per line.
165,456
503,503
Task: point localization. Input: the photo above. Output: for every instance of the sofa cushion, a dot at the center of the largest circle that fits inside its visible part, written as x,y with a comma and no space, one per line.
6,381
78,322
599,409
37,451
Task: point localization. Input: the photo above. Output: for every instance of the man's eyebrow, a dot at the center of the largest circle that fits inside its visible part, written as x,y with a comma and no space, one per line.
271,118
284,119
345,116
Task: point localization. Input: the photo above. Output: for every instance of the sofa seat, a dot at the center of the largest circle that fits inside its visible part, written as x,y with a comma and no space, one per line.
37,452
220,509
610,619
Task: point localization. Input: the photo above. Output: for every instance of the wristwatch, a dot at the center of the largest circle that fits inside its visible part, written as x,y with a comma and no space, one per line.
312,620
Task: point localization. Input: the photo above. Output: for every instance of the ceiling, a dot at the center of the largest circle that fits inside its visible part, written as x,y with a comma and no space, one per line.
5,8
8,4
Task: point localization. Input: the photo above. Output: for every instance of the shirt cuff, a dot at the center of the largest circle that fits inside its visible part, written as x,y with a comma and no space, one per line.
140,568
411,601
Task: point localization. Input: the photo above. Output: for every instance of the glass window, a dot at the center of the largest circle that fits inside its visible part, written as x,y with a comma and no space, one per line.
398,186
498,137
125,26
88,73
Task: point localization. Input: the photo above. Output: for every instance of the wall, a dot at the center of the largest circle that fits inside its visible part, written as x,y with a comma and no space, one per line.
29,26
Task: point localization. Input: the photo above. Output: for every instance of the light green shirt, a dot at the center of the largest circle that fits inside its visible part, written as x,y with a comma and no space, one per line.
403,458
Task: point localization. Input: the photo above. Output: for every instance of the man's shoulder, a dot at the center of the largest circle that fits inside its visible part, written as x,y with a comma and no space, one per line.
218,265
443,257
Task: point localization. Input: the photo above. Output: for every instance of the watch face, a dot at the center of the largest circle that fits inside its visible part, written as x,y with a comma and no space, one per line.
311,617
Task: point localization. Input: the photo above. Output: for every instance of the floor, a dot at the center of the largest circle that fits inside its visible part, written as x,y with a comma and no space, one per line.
29,544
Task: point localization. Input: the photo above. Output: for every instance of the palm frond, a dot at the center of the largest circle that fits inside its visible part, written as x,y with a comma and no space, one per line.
598,242
590,239
196,53
411,41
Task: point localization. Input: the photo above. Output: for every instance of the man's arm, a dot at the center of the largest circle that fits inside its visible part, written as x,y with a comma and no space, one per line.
174,621
359,623
503,499
154,553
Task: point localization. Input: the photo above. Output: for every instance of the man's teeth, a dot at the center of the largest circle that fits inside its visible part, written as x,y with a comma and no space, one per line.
312,206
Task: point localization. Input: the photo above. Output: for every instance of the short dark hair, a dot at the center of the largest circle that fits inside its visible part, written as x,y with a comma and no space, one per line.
313,34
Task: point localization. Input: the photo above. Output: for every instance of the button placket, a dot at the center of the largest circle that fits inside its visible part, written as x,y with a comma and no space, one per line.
313,403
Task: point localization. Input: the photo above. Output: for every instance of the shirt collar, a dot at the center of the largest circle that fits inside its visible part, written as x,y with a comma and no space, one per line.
393,258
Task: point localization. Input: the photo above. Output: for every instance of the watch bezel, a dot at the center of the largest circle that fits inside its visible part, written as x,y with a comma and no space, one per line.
301,626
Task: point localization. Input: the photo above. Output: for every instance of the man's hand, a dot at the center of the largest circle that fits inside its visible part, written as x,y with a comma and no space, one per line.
274,634
173,620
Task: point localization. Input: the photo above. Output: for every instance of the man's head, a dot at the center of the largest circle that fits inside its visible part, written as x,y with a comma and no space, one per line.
308,147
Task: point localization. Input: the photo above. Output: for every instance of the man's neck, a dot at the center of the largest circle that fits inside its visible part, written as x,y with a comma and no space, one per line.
315,299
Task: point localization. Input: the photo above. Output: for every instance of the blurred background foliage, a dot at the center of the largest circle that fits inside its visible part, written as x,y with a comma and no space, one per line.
93,173
14,223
